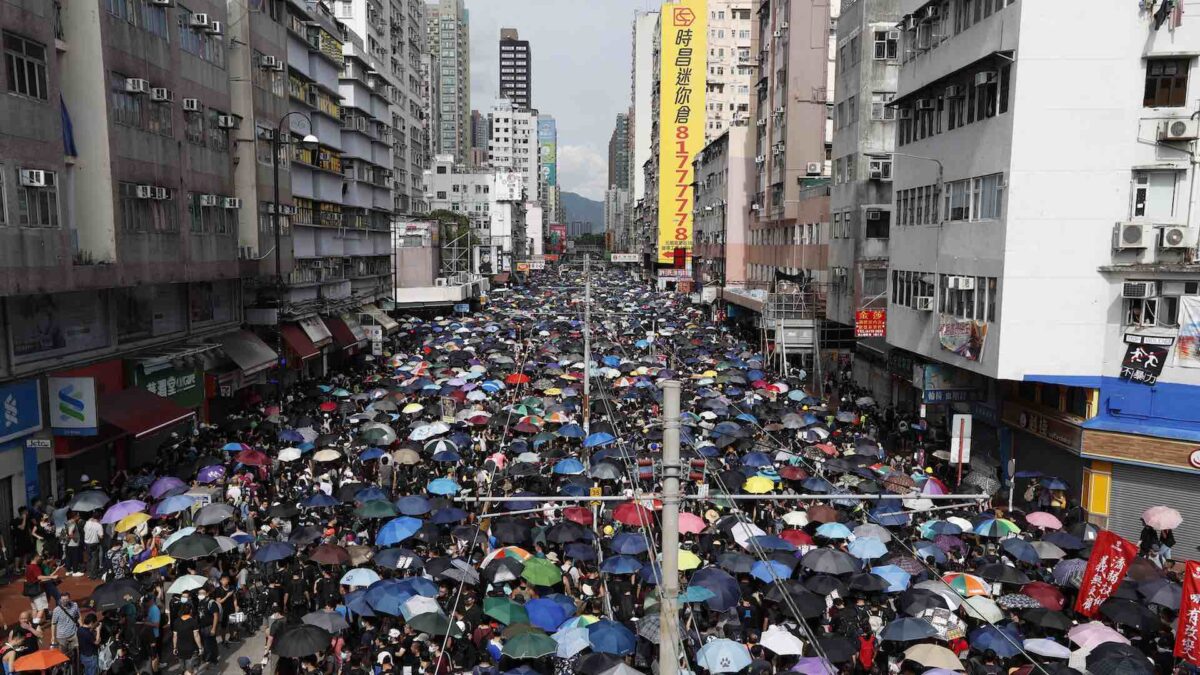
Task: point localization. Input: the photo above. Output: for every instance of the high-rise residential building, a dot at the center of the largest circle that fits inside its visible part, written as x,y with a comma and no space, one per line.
479,130
720,210
1043,192
462,189
730,66
448,22
513,144
618,153
642,118
516,69
864,136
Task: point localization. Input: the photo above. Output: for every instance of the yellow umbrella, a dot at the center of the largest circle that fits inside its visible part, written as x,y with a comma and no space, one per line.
758,485
153,563
709,373
131,521
412,408
688,560
553,391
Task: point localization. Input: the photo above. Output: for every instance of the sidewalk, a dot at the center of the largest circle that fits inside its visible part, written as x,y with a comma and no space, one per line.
12,603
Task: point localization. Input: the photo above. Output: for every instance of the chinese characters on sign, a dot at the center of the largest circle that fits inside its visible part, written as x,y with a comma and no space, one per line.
965,338
1187,634
1144,359
681,120
870,323
171,384
1111,557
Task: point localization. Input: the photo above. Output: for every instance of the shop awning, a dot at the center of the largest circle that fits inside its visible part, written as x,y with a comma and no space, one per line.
501,278
249,352
140,413
343,337
351,322
381,318
316,330
296,340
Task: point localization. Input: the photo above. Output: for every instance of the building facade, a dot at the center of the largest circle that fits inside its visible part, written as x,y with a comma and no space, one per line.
721,210
618,153
448,22
513,144
461,189
516,69
730,66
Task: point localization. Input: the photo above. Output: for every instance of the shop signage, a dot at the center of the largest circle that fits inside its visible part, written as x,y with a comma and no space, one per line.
944,384
1044,425
537,264
1187,352
462,308
183,386
985,413
626,257
964,338
375,335
22,409
33,487
1143,363
901,364
522,267
684,63
672,274
870,323
1156,340
44,326
1119,447
73,406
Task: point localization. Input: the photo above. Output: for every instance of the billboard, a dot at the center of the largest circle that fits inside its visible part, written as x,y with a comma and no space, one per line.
547,133
73,406
626,257
681,119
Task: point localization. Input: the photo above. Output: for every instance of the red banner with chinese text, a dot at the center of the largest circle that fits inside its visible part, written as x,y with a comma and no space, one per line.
1187,635
1111,557
870,323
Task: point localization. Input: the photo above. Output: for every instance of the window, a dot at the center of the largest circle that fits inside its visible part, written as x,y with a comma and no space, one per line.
874,283
218,138
1153,194
967,297
908,286
886,45
1077,401
1166,83
194,128
198,42
880,168
1141,311
880,110
3,208
38,206
25,67
974,199
158,119
878,223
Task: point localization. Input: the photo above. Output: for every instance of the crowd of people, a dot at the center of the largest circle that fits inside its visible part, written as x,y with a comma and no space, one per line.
431,510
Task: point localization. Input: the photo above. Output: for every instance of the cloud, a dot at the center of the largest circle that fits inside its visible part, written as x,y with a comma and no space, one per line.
583,170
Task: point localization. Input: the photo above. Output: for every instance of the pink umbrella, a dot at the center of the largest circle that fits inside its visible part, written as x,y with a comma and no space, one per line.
1046,521
1162,517
1092,633
691,523
934,486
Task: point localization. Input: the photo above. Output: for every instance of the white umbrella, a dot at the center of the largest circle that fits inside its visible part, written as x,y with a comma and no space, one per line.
419,604
1047,648
308,434
743,531
799,519
187,582
289,454
327,455
979,607
920,504
965,524
227,544
781,641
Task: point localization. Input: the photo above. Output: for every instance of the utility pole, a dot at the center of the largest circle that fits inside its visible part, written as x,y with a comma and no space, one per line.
668,654
587,343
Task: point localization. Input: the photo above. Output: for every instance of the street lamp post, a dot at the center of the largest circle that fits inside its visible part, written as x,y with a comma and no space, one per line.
277,144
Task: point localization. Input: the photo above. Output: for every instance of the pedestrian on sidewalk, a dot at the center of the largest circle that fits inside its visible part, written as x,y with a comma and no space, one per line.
93,531
64,624
74,545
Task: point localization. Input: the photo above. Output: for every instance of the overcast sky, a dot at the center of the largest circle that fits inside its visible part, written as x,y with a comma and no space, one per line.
581,68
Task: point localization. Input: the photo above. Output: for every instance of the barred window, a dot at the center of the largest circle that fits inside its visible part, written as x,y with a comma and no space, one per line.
25,66
38,206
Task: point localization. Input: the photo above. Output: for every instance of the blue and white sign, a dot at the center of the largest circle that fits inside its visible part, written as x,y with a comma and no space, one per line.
462,308
73,406
21,406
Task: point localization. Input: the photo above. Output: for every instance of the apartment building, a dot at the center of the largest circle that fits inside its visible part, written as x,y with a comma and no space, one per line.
721,210
448,23
513,144
461,189
516,69
643,80
1066,222
730,66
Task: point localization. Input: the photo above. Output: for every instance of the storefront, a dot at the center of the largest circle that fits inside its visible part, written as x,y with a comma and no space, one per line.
25,450
370,314
348,336
1129,473
83,444
182,386
1046,441
905,384
230,379
303,356
870,369
147,420
320,336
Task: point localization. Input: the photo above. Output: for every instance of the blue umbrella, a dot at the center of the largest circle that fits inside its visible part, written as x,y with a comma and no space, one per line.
235,447
725,589
621,564
573,490
571,431
834,531
319,500
896,577
580,551
935,527
571,641
650,573
867,548
695,594
275,550
442,486
757,459
291,436
356,601
1021,550
890,514
419,586
610,637
629,543
414,505
908,629
174,504
569,467
367,494
359,576
723,656
1053,483
817,484
387,597
928,549
397,530
447,515
370,454
769,570
598,439
997,639
546,614
771,542
447,456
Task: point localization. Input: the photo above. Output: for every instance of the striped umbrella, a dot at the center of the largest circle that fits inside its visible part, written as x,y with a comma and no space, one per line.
967,585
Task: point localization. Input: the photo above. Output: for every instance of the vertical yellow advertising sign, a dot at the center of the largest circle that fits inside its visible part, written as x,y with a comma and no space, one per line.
684,55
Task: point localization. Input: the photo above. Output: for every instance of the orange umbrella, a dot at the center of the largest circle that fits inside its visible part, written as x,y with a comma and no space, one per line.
517,378
43,659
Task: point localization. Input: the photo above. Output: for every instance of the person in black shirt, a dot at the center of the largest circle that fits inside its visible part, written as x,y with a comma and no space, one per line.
296,595
185,634
89,635
226,597
208,614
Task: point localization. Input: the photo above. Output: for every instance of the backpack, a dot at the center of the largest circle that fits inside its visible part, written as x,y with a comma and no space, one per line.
105,657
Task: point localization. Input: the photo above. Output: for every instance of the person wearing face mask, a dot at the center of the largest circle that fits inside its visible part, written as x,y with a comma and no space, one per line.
208,613
185,633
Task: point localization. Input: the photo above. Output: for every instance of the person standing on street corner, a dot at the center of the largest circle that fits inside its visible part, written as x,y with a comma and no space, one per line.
64,625
93,531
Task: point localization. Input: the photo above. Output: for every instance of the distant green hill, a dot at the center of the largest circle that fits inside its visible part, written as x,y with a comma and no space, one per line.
582,209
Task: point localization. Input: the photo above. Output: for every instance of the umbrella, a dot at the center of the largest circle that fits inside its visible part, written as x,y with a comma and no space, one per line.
983,608
723,656
530,646
298,641
1005,642
725,589
359,576
1048,618
131,521
193,546
275,550
779,640
505,610
326,620
153,563
213,514
112,594
435,623
1048,648
908,629
1131,614
121,509
43,659
1089,635
830,561
933,656
546,613
609,637
1162,518
541,572
1047,595
1046,521
573,640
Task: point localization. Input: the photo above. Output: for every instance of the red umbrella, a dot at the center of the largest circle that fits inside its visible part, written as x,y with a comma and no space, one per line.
793,473
252,458
328,406
526,428
632,513
796,537
1048,595
517,378
578,514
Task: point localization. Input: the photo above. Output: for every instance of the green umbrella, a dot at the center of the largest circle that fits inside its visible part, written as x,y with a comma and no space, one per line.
530,646
505,611
541,572
435,623
374,434
377,508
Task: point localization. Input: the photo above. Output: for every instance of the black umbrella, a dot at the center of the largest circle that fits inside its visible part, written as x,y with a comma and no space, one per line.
503,569
870,583
825,584
1114,658
838,649
299,640
566,532
1048,618
283,511
305,535
597,663
112,594
830,561
809,604
915,600
193,546
738,563
346,492
330,621
1131,614
514,531
1005,574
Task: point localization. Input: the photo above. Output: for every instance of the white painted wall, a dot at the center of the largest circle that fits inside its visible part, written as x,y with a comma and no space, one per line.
644,28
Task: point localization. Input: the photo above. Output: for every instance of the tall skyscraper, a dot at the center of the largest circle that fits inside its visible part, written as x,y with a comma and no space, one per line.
450,76
516,74
618,153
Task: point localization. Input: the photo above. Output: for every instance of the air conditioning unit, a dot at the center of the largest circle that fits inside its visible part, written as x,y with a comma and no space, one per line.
1177,237
924,303
1179,130
161,94
783,25
954,91
227,121
441,282
208,200
268,62
813,168
231,203
33,178
778,33
198,20
911,23
965,283
162,3
875,174
1132,236
755,207
926,104
191,105
762,122
840,271
932,12
214,28
136,85
161,193
985,78
1139,289
874,214
286,210
280,65
145,192
893,35
760,159
905,113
